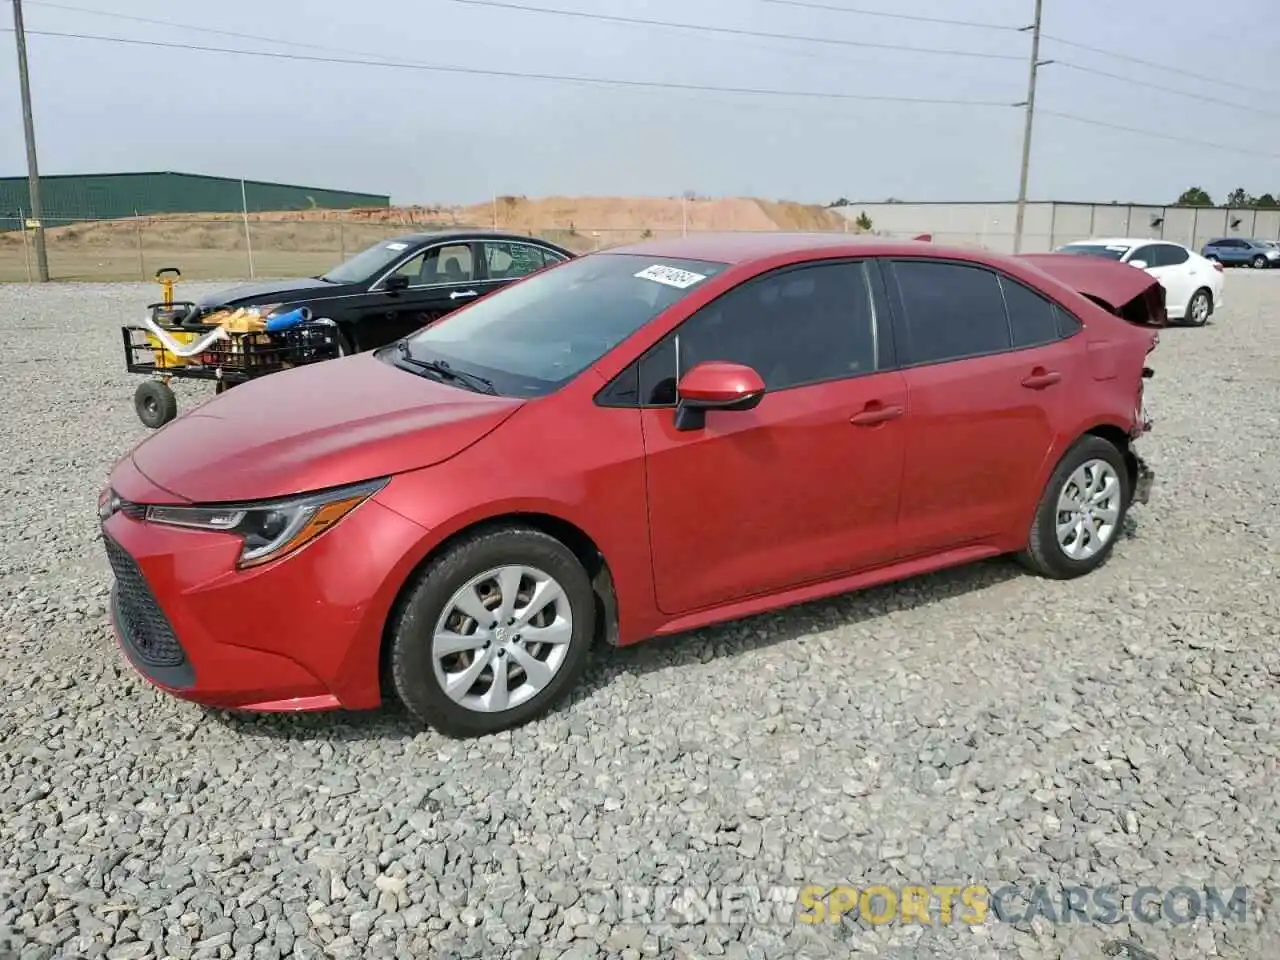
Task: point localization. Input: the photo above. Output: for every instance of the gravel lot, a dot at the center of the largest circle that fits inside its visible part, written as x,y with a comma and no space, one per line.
979,726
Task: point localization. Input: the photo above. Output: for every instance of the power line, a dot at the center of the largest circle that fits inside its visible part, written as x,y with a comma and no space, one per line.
1159,66
1155,86
175,25
1159,136
522,75
793,3
810,5
199,29
736,32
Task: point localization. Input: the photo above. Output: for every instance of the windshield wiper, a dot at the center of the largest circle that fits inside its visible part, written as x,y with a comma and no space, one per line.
441,369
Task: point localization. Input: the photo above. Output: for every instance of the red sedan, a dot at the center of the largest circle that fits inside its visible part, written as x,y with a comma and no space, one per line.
642,441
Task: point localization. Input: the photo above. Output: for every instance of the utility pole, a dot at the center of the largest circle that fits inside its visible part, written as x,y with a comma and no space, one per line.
1030,104
29,129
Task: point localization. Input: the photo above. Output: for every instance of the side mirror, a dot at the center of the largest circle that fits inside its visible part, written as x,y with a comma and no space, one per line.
1140,264
397,282
715,385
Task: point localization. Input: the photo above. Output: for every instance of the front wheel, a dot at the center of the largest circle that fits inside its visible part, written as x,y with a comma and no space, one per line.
493,633
1081,511
155,403
1259,262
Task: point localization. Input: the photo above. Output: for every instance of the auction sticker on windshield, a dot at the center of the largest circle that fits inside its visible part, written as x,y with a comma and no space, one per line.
671,276
397,246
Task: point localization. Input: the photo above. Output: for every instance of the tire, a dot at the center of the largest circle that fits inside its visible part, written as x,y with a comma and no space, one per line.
1199,308
1259,262
346,346
155,403
1045,555
430,602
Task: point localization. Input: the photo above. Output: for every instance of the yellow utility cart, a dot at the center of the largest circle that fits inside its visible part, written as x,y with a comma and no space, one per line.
231,346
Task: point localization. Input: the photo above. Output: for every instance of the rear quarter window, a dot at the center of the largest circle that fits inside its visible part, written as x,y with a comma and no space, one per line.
1032,318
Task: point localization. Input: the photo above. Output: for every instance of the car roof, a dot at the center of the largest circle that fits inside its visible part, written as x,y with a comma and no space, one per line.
472,234
1120,241
1107,281
743,247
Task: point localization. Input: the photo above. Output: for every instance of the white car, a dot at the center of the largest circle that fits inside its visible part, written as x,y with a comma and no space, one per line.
1192,284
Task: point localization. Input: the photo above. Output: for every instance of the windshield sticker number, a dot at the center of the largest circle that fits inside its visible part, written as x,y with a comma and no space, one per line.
680,279
1118,248
397,246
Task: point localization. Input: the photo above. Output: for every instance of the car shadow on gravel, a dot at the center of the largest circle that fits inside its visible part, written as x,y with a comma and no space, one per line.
765,630
393,722
388,723
785,626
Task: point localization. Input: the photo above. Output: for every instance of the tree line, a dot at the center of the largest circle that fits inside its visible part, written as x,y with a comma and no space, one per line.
1237,199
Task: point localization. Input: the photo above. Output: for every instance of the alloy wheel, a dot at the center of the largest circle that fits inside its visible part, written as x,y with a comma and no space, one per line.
1088,509
501,638
1199,309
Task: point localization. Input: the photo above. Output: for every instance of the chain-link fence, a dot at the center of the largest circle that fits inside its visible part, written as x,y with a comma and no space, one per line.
226,247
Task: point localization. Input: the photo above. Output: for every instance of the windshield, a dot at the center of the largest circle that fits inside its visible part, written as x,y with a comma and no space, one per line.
1111,251
368,262
536,335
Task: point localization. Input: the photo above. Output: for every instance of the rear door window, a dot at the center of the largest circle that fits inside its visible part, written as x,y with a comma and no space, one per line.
950,310
1169,255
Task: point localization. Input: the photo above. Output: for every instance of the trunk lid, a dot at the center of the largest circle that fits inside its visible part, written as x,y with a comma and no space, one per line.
1127,292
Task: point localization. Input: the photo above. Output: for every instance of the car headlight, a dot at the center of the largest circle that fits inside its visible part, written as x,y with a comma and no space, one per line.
271,529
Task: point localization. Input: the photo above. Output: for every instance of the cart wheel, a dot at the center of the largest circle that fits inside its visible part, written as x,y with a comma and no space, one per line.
155,403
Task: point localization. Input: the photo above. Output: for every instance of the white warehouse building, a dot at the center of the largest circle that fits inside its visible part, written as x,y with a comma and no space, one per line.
1047,224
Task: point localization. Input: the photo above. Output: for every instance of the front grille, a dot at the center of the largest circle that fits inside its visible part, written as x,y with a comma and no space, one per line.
143,625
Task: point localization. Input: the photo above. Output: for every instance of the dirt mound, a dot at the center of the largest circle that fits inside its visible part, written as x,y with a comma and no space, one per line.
581,223
651,213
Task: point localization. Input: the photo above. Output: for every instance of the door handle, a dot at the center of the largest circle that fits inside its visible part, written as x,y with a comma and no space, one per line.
459,294
874,413
1041,378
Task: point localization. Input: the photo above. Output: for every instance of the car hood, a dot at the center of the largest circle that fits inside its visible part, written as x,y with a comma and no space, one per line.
313,427
264,292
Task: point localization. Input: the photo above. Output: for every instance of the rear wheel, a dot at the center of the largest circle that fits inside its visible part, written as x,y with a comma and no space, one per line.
1081,511
155,403
493,633
1199,309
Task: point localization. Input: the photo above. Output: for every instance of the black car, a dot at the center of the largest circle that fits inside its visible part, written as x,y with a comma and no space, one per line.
398,285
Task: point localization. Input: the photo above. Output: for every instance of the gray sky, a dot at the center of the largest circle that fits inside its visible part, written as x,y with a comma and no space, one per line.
430,137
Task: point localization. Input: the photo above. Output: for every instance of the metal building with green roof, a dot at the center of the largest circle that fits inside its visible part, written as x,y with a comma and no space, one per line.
70,198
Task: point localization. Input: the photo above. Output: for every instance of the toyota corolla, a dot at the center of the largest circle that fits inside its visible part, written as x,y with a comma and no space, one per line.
639,442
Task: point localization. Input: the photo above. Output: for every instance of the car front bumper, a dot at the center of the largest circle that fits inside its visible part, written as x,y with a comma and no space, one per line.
301,633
